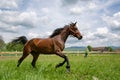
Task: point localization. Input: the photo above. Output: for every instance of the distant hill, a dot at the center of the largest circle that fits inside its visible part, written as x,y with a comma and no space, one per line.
75,48
82,48
115,47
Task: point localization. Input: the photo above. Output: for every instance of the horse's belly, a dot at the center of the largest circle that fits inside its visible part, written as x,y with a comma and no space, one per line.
46,49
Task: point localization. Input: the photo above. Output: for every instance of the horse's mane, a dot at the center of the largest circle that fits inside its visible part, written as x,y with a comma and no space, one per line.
57,31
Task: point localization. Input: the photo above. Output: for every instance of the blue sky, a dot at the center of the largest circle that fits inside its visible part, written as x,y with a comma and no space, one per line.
98,20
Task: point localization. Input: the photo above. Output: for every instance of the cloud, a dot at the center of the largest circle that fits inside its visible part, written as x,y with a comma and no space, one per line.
101,33
14,20
102,30
84,7
80,9
27,19
33,35
69,2
8,4
45,10
76,10
1,38
102,36
113,21
8,28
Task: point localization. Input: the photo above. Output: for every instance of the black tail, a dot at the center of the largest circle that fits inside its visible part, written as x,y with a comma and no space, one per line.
21,39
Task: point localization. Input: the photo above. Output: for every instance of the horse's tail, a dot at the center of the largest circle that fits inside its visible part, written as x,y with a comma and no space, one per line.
21,39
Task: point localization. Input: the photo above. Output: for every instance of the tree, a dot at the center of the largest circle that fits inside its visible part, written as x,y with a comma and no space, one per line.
89,48
86,52
14,47
2,43
109,48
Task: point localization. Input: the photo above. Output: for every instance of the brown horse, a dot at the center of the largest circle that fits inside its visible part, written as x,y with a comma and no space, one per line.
52,45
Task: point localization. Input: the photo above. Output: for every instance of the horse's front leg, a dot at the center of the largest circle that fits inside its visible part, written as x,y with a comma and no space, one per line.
68,64
59,53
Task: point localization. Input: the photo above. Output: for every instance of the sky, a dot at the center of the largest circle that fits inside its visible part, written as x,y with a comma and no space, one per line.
97,20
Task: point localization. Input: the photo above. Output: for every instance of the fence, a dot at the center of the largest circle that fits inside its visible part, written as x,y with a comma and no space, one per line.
10,53
65,52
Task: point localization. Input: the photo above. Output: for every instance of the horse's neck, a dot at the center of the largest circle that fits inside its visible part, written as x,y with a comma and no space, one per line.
60,39
64,35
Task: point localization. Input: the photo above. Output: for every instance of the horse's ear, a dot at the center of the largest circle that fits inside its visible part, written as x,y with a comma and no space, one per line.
75,23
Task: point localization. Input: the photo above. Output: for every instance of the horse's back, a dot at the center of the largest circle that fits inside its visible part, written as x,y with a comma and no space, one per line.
41,45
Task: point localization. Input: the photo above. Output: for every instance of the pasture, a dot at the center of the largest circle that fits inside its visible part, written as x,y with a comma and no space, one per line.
94,67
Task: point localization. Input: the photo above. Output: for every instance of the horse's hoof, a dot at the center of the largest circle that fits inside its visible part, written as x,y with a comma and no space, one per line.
68,70
17,65
56,66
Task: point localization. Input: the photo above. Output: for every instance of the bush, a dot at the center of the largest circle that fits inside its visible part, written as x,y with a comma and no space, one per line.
109,48
12,47
2,43
89,48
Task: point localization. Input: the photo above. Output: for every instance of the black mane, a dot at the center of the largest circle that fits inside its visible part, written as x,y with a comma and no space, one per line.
56,32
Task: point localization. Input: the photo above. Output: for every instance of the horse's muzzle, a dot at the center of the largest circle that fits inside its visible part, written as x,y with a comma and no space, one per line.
80,37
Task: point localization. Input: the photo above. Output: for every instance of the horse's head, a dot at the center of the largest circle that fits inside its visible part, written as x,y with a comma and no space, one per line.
74,31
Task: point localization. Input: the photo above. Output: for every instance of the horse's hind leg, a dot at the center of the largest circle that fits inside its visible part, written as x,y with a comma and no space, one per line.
22,58
35,57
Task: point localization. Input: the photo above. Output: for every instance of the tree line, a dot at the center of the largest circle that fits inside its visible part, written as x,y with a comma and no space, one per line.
102,49
10,46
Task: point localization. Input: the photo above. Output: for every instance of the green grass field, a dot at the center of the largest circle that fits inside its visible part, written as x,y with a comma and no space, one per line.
94,67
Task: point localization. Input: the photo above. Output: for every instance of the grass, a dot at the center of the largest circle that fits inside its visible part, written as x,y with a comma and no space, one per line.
94,67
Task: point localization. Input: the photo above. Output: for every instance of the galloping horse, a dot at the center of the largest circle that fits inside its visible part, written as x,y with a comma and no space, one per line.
52,45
